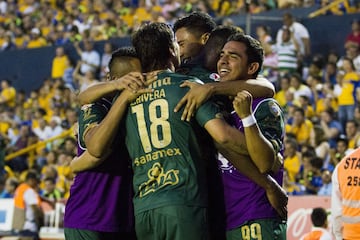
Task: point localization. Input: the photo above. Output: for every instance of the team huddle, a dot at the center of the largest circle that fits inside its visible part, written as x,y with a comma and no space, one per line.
183,142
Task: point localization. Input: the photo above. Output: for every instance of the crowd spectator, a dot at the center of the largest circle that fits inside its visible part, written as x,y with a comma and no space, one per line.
301,34
326,188
36,40
299,88
27,207
105,59
60,63
287,51
331,126
292,158
319,219
282,91
84,80
50,192
11,184
8,94
301,127
313,177
346,97
352,134
351,52
354,36
90,58
322,145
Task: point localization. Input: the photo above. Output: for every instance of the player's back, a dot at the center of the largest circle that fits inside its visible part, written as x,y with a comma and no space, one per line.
104,190
167,161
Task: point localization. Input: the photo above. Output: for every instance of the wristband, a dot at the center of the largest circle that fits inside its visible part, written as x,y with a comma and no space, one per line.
249,121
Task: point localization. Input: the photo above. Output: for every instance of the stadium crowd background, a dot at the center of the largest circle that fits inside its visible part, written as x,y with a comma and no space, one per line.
320,97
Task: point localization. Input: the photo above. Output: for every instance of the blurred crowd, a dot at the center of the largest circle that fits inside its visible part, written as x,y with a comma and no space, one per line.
319,94
39,23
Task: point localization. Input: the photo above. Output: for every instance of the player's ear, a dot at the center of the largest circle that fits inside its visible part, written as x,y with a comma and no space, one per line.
108,76
172,51
253,67
204,38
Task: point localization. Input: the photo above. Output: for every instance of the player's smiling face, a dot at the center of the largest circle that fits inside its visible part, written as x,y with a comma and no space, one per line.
190,45
232,64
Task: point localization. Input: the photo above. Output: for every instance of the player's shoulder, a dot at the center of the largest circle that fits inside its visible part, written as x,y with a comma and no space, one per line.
102,104
268,107
182,77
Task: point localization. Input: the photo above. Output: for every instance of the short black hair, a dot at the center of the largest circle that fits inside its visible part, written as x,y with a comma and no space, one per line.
317,162
197,23
254,50
319,217
126,51
32,175
220,34
300,110
153,42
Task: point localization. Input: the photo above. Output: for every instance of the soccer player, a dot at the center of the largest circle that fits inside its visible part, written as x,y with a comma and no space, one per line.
250,214
99,206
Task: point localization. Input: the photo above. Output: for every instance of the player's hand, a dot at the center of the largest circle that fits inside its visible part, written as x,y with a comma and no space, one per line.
132,81
151,76
277,197
279,161
242,104
193,99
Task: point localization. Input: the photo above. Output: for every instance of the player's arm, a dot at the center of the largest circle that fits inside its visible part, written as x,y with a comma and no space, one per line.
132,82
230,142
85,162
260,149
275,193
198,93
100,137
226,136
259,87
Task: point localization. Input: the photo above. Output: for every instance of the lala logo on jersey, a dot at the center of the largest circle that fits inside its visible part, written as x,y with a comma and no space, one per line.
158,178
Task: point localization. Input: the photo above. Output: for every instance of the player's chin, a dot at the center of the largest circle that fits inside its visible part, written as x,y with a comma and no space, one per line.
225,77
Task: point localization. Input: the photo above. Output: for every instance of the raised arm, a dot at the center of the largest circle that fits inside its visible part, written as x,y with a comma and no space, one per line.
110,88
76,74
231,143
99,138
198,93
260,149
77,48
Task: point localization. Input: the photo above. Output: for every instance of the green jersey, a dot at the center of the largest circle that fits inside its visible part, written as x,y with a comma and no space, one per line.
198,71
166,154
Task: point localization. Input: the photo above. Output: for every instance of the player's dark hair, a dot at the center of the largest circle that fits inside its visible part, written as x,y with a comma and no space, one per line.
197,23
153,42
122,52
